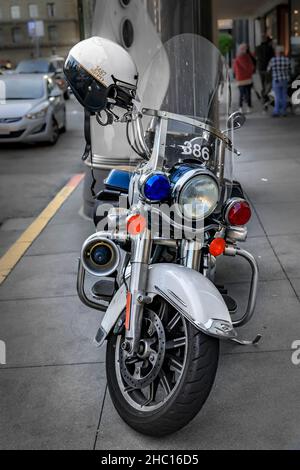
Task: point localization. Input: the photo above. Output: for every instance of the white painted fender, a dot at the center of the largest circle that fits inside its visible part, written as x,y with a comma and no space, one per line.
192,294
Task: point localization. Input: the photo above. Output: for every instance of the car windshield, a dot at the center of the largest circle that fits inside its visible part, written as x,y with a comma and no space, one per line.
25,89
33,66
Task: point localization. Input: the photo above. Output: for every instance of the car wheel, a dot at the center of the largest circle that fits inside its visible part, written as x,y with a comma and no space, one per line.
55,133
63,129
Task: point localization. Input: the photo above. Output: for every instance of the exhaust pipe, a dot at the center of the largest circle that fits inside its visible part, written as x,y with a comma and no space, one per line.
100,256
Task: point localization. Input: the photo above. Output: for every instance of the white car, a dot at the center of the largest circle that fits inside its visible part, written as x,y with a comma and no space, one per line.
32,109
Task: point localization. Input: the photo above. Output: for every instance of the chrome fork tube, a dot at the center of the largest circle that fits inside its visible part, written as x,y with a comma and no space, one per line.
140,259
220,163
191,254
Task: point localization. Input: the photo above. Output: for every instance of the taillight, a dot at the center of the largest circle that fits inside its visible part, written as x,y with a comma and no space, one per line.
238,212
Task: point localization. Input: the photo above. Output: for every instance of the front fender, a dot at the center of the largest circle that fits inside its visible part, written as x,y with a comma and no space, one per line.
192,294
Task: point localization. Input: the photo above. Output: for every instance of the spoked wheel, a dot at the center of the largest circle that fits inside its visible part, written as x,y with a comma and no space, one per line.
165,385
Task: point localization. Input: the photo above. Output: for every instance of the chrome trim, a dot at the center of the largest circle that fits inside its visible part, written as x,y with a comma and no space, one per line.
193,122
137,124
140,259
191,254
107,163
212,327
81,291
235,251
220,328
165,242
229,204
177,298
157,160
236,234
91,243
243,342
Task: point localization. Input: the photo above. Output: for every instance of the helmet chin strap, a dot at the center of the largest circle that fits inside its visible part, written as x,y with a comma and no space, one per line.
109,118
112,117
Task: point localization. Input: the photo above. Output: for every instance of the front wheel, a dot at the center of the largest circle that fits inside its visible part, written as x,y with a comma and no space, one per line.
162,389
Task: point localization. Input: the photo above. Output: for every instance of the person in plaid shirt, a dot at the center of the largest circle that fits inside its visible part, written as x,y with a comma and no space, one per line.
280,66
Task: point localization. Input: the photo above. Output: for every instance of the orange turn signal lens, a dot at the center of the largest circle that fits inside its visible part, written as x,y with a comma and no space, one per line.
217,247
136,224
128,311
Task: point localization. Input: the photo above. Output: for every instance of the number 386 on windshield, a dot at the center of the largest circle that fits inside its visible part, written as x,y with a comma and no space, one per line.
196,150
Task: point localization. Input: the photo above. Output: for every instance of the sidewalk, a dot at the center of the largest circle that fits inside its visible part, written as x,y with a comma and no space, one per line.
53,389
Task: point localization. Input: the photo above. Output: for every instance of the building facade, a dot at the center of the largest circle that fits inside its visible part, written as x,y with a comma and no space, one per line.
295,31
30,28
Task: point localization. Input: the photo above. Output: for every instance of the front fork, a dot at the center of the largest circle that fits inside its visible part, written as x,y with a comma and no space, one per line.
136,295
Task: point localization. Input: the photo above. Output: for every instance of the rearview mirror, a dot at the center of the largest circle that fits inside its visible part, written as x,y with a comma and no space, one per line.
236,121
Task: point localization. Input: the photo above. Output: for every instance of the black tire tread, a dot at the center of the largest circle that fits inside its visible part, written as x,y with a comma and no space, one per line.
189,398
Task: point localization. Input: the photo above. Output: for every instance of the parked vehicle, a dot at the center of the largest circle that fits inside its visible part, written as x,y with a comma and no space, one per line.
33,109
53,67
5,66
168,220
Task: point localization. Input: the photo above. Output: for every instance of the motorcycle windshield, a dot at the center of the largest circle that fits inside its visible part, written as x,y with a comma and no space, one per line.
188,77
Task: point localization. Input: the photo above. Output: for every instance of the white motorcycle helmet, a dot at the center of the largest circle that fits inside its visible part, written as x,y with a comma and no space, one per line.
101,74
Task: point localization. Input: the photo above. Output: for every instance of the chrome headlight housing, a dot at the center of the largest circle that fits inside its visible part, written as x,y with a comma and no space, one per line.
196,194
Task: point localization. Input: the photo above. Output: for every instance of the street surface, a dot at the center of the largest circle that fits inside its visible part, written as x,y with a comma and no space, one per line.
31,175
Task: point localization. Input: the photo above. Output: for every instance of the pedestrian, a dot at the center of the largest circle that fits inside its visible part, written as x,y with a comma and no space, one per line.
280,66
243,70
252,57
264,53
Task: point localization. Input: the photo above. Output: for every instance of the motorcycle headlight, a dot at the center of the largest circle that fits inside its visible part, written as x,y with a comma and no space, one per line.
197,195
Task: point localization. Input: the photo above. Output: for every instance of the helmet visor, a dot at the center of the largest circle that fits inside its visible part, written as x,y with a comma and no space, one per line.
90,92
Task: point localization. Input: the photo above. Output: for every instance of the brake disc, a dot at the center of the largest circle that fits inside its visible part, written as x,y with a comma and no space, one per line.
141,370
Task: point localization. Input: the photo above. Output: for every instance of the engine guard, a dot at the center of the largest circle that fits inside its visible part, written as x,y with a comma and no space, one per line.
192,294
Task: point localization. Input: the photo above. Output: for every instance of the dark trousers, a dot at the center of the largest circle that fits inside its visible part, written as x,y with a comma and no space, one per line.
245,95
265,84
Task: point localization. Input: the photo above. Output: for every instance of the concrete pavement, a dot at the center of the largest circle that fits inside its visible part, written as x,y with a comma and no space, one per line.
53,388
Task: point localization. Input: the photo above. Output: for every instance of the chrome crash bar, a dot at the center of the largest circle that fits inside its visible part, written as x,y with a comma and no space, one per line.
235,251
81,291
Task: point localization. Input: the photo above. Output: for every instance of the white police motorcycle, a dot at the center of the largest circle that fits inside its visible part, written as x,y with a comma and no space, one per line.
166,221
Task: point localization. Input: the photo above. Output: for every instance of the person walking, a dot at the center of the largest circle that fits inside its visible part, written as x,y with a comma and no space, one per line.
264,53
280,66
243,70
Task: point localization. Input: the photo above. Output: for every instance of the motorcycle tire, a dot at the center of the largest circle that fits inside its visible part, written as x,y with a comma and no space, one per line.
191,392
